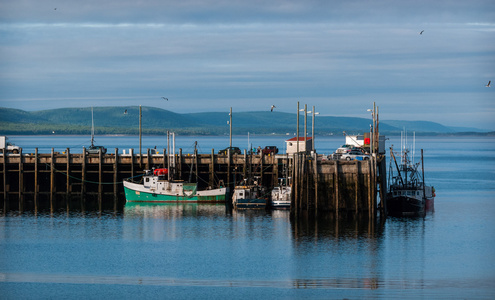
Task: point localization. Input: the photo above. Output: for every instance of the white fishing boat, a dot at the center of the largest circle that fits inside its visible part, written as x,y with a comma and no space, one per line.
282,194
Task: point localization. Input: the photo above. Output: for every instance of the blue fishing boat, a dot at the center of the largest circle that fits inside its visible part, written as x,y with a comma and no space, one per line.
249,196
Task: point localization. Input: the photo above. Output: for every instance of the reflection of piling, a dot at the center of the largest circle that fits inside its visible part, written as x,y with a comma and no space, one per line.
331,226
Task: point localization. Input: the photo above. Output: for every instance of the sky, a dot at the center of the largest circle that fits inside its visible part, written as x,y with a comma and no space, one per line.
205,55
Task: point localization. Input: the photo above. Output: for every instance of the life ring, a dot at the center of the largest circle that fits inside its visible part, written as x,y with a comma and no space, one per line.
160,172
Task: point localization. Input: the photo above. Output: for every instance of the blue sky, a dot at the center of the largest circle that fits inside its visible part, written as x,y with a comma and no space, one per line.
340,56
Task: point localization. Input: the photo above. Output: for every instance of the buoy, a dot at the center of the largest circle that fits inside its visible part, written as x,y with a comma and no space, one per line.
160,172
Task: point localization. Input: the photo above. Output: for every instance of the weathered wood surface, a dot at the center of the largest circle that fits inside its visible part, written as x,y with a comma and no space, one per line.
318,185
333,185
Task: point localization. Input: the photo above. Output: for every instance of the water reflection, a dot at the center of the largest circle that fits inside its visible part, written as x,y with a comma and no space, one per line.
172,210
343,226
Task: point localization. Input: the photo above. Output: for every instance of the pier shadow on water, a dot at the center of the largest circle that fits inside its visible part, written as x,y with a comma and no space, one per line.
73,204
341,226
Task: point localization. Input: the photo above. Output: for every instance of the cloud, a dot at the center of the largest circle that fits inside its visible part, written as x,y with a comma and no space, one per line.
337,55
239,11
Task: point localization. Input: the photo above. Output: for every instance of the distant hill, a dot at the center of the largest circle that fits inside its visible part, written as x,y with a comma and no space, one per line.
125,120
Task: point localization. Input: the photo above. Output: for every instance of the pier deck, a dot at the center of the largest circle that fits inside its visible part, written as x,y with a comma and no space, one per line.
57,179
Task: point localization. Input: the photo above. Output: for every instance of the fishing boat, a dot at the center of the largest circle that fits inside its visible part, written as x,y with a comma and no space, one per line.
281,194
156,187
249,196
408,195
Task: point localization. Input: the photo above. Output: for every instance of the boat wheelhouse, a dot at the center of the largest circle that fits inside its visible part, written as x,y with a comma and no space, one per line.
249,196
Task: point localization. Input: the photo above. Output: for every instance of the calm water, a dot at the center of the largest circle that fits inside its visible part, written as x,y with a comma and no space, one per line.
205,251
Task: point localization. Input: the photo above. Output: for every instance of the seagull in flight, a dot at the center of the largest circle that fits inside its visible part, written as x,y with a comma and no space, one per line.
165,98
273,106
421,32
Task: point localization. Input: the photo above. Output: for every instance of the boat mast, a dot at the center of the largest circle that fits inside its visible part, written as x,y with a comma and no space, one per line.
196,159
406,164
193,164
423,174
396,165
168,155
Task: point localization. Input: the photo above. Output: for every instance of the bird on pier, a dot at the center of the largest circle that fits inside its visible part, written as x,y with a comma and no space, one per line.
488,85
421,32
165,98
273,106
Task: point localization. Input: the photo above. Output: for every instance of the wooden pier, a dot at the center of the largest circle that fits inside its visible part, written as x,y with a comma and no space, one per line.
54,180
338,186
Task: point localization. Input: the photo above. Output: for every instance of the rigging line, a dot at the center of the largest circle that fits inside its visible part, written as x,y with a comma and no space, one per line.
185,150
199,177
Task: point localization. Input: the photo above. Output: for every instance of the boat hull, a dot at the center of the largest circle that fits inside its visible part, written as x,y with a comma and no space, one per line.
403,206
137,193
281,204
430,205
281,197
250,203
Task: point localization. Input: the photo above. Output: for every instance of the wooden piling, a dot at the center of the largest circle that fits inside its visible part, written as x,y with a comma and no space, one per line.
196,163
132,162
83,178
5,176
370,190
356,187
336,187
164,163
21,182
52,179
148,160
36,185
244,166
115,177
179,160
229,163
383,188
261,166
100,177
315,179
211,175
67,178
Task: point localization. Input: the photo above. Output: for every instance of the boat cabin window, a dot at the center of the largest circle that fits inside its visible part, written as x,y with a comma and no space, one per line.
147,180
